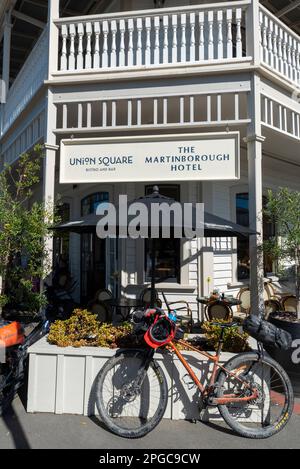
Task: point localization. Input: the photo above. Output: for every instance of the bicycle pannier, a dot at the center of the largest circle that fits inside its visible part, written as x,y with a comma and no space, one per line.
11,333
267,333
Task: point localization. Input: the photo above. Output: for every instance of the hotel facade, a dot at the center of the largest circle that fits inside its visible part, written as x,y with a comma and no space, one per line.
81,75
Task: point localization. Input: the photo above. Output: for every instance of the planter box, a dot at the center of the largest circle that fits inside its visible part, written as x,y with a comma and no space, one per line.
61,380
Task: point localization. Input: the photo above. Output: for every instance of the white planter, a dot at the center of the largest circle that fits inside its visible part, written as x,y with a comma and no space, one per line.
61,379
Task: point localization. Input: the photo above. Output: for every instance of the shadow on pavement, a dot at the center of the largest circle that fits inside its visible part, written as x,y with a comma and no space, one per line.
15,429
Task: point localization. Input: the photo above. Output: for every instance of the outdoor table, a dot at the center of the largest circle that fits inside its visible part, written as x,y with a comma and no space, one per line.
229,301
123,306
226,300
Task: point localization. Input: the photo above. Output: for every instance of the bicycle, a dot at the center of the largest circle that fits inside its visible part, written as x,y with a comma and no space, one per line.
13,371
252,392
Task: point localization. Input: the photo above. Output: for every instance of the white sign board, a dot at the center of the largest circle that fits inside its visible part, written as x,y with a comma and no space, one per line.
186,157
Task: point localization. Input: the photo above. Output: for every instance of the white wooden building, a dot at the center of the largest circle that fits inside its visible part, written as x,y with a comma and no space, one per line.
127,67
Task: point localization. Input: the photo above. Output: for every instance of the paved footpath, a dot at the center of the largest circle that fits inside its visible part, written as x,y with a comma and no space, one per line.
21,430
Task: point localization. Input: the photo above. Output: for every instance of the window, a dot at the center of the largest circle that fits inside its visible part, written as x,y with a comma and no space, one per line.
242,218
167,251
90,203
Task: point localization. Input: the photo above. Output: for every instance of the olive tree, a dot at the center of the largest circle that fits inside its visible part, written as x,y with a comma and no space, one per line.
24,225
283,207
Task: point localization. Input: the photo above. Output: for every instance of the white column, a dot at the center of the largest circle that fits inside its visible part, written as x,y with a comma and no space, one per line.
53,13
254,142
49,164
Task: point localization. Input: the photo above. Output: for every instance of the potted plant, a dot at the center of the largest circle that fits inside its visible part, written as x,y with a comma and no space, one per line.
283,207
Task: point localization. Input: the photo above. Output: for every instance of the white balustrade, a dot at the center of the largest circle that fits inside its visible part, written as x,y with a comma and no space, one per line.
280,47
186,35
30,78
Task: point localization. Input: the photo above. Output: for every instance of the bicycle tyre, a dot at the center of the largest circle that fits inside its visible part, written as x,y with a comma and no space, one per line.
110,421
267,430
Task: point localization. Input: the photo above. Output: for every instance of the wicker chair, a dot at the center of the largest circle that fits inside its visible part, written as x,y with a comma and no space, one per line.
145,298
244,297
271,306
217,310
103,294
102,310
276,295
290,304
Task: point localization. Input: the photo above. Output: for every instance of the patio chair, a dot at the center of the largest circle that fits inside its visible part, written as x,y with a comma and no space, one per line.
103,294
184,313
218,310
290,304
271,306
244,296
102,310
145,298
276,295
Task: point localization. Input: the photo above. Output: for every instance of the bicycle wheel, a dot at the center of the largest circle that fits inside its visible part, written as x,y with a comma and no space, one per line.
271,410
129,407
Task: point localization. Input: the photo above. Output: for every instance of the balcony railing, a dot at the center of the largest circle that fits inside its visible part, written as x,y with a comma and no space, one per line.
185,35
279,47
241,33
30,78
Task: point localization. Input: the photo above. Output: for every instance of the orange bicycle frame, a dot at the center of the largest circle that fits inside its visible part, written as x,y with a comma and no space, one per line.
216,366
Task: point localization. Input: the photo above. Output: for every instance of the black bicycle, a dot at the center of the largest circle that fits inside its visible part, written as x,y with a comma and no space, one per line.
13,370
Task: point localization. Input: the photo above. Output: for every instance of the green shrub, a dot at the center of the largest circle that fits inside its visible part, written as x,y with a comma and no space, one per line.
235,341
83,329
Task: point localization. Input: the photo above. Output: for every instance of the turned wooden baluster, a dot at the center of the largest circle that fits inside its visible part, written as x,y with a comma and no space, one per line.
105,44
174,39
210,35
88,55
122,43
270,44
80,31
201,36
220,34
275,47
64,57
96,58
156,40
280,51
72,32
229,33
166,40
148,41
113,56
139,25
130,42
239,44
193,40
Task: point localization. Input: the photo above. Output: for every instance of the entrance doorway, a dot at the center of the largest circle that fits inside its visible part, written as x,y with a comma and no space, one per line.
93,266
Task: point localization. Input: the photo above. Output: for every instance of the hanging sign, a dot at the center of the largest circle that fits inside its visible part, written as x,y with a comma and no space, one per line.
185,157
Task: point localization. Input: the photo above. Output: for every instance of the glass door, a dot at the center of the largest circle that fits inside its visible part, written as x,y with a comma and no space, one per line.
113,272
93,266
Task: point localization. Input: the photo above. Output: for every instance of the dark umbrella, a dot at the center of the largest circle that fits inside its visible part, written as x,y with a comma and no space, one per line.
212,226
